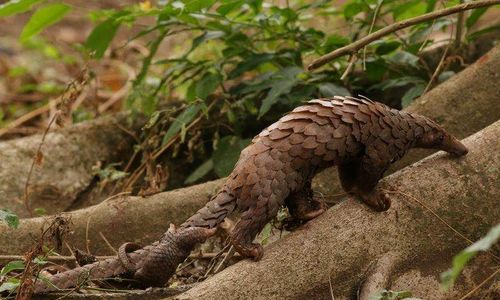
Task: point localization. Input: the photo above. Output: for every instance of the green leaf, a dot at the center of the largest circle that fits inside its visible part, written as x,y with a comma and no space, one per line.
411,94
474,16
250,63
352,9
399,82
476,34
229,6
266,233
182,120
15,7
198,5
155,116
375,69
207,85
408,9
460,260
201,171
101,36
335,41
387,47
40,211
404,58
43,18
12,266
286,79
10,285
445,76
227,153
10,218
206,36
329,90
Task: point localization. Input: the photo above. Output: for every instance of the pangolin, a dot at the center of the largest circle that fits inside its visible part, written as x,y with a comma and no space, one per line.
360,136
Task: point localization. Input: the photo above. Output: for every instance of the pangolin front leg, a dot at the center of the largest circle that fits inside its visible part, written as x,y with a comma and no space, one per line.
360,178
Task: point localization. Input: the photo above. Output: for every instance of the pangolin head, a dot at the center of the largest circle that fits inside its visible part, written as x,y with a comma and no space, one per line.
435,137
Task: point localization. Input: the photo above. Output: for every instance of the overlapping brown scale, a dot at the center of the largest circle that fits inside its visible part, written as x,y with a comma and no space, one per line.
325,134
401,143
386,135
262,172
322,102
338,102
254,149
314,108
335,121
274,205
320,150
419,130
283,146
331,155
296,138
328,113
260,159
297,163
312,129
264,132
264,140
310,143
307,115
397,133
302,108
356,131
295,150
348,118
277,134
351,101
341,131
352,146
276,154
362,117
307,153
274,164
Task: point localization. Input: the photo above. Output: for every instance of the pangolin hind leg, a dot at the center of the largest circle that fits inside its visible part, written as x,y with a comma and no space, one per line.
251,223
303,206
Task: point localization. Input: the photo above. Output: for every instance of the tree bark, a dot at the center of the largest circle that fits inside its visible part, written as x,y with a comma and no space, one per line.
354,249
147,218
65,170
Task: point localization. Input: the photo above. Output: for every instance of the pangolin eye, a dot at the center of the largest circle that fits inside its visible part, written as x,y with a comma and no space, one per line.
441,137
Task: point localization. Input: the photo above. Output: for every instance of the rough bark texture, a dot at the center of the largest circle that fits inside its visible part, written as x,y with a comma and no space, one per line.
65,170
120,219
344,245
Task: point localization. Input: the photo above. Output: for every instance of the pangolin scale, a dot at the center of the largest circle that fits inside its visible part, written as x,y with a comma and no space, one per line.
360,136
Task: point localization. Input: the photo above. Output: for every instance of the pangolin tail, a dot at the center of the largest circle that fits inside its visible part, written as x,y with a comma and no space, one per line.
155,263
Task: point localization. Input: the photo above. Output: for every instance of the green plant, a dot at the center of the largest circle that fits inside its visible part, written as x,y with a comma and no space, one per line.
240,64
461,259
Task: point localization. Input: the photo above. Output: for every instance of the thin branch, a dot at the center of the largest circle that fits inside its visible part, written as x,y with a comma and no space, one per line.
354,47
350,66
459,28
375,14
37,160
